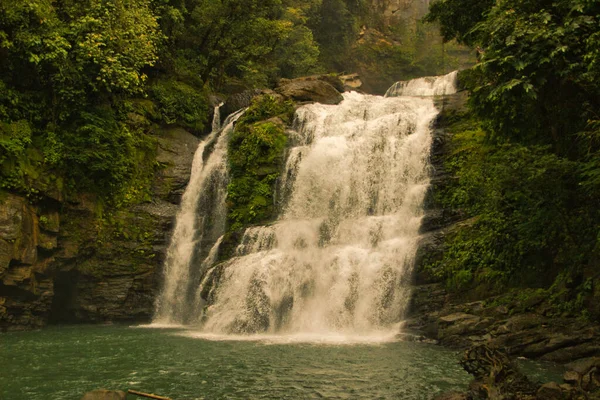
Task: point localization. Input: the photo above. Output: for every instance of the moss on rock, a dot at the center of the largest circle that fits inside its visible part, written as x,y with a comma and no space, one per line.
256,156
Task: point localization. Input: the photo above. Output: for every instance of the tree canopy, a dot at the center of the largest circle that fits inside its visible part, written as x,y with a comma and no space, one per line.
531,177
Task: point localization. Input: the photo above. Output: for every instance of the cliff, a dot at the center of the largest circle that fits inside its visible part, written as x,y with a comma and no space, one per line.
64,260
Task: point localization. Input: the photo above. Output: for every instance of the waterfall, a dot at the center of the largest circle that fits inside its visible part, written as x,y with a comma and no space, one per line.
339,257
199,223
427,86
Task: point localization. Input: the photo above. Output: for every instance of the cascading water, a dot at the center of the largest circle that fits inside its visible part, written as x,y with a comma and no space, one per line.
427,86
200,222
339,257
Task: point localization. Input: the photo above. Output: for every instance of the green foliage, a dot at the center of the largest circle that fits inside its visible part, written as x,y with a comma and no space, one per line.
265,107
529,219
250,40
256,154
334,27
459,18
535,188
533,67
181,104
78,48
15,139
106,156
66,68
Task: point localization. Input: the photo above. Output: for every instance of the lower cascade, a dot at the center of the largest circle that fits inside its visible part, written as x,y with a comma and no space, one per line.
339,257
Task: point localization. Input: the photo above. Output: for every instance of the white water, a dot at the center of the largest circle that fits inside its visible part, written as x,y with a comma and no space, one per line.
338,260
427,86
201,218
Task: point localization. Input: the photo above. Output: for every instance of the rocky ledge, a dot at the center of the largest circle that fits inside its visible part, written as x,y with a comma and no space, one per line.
521,326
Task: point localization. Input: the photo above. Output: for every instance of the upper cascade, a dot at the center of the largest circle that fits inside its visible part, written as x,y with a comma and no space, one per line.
426,86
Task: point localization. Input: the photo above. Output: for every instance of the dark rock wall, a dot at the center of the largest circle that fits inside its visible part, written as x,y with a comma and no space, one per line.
58,265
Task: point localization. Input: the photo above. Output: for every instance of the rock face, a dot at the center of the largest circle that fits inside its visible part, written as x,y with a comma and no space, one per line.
313,89
27,236
59,262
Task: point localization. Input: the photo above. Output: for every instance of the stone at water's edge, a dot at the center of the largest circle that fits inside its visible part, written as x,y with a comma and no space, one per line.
103,394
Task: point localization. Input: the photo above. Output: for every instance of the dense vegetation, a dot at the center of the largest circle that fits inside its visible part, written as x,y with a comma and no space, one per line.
526,158
84,84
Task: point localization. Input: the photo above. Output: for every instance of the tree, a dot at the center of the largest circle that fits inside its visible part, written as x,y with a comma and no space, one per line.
458,18
249,40
65,69
534,66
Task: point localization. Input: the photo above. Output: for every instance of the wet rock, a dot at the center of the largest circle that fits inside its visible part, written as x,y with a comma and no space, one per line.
103,394
410,337
176,154
524,321
460,329
571,377
351,82
496,376
451,396
238,101
317,91
551,391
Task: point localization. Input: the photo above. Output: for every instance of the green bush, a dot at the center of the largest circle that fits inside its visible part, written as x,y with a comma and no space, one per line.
256,155
181,104
103,155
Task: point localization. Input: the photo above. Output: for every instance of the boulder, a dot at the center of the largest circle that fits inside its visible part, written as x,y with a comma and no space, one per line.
238,101
103,394
334,80
551,391
351,82
317,91
496,376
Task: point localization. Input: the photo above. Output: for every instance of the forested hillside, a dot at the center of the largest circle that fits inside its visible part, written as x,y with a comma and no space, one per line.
525,157
72,72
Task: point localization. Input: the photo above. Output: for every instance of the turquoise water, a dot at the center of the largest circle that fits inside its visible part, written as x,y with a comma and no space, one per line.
65,362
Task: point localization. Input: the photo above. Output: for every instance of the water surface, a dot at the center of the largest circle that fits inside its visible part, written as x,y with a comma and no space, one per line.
65,362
